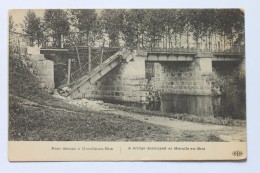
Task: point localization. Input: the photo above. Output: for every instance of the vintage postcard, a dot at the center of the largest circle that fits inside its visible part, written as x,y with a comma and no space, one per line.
127,84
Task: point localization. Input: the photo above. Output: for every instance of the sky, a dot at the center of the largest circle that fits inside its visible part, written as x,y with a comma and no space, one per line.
19,14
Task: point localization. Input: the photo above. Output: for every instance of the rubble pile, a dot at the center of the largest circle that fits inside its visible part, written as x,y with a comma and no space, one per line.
62,91
90,104
86,103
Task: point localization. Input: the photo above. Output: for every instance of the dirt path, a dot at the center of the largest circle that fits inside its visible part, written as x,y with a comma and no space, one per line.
226,133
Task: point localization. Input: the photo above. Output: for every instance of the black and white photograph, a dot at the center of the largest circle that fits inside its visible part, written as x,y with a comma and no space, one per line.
127,75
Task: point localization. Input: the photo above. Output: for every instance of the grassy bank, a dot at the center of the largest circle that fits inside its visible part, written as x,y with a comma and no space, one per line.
23,84
28,123
183,116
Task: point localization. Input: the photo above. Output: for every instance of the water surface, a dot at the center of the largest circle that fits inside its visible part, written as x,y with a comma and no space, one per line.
216,106
232,107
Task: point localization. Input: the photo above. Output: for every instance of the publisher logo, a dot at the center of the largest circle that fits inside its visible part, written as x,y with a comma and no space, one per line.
237,153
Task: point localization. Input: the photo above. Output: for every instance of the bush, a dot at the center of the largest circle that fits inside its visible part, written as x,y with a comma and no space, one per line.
230,84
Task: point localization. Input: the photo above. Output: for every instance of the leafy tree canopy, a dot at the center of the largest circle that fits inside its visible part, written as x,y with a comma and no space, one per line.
57,24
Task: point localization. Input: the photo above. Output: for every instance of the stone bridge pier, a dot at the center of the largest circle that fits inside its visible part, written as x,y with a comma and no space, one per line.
180,74
125,82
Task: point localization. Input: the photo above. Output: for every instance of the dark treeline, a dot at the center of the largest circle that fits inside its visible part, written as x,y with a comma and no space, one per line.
133,27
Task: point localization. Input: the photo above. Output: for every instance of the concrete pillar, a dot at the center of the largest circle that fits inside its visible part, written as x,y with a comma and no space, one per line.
203,62
135,69
133,80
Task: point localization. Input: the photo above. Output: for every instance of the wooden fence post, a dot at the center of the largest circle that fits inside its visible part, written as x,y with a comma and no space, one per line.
101,57
61,40
89,58
69,70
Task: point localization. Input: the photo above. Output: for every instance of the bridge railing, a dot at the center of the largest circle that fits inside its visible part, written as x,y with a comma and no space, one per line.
190,48
197,47
96,60
232,49
189,45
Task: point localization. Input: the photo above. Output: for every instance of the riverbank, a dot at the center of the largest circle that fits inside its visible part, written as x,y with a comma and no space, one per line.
183,116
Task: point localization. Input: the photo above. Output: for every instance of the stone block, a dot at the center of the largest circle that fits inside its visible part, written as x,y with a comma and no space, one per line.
143,98
117,83
135,99
195,83
172,58
119,93
181,58
119,88
188,82
135,88
36,57
191,87
152,58
163,58
33,50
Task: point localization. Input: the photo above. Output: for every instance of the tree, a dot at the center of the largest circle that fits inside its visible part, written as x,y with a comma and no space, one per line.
32,27
231,25
85,20
112,21
203,23
56,24
228,24
155,22
134,28
12,28
11,24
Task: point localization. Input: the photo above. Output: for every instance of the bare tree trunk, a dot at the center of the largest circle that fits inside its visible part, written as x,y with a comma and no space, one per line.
38,42
188,40
138,44
61,41
77,51
89,58
224,42
69,70
175,40
207,41
216,40
180,40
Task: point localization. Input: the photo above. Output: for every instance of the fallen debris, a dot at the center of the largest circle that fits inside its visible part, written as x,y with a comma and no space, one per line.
90,104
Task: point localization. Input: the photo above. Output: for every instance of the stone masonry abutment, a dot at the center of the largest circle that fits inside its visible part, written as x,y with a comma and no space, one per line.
125,82
182,77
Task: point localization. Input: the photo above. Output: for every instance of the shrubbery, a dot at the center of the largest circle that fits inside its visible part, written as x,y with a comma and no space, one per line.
233,84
